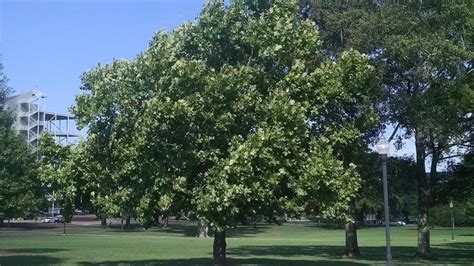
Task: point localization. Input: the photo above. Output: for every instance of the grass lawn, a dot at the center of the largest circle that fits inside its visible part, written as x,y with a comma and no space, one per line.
289,244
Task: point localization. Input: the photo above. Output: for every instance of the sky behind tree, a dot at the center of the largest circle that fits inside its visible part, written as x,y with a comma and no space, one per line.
48,44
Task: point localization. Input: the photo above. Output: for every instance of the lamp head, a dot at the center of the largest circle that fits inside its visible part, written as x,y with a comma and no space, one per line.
382,146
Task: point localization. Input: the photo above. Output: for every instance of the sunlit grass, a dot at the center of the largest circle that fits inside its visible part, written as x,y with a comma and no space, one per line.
304,244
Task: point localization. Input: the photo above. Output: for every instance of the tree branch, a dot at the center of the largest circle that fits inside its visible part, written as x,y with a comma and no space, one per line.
452,156
394,132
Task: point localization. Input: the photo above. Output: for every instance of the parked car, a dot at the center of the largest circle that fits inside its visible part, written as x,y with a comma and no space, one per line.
54,219
59,219
398,223
49,220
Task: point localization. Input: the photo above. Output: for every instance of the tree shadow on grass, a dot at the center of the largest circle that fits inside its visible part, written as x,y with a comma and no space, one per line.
230,261
185,230
29,260
449,253
248,230
452,253
190,230
31,226
327,226
36,250
439,254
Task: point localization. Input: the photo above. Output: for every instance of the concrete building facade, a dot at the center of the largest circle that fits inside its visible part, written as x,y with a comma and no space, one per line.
31,119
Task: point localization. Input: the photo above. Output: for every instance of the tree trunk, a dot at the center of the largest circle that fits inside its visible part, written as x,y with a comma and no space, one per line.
121,224
352,247
423,248
202,229
103,222
164,221
127,222
1,222
360,216
64,227
219,248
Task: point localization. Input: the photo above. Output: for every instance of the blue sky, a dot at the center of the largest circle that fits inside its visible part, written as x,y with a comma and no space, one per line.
48,44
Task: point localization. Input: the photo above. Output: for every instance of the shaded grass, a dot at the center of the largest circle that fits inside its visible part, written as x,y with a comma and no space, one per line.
295,244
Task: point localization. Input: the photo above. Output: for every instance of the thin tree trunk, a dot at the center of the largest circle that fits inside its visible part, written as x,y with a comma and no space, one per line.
202,229
121,224
219,248
352,246
1,222
64,227
103,222
423,248
164,221
360,216
127,222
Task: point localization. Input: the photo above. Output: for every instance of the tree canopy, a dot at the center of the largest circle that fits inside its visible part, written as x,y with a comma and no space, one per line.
235,114
423,53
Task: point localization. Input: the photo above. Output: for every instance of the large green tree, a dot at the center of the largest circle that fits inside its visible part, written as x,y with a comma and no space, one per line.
236,114
20,189
423,53
110,113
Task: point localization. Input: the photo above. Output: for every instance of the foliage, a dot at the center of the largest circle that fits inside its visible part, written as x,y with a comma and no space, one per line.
6,117
110,116
20,189
463,213
402,191
423,53
57,172
237,113
460,183
457,186
5,90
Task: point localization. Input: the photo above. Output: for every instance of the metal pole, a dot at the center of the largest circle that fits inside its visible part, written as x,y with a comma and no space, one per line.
452,225
387,215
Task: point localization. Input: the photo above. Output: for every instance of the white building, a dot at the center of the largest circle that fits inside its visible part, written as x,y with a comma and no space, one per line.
31,119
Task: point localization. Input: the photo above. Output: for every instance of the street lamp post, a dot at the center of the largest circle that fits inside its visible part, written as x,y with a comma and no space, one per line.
451,205
382,148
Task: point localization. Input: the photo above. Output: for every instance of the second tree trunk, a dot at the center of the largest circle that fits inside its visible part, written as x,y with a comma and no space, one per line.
219,248
352,247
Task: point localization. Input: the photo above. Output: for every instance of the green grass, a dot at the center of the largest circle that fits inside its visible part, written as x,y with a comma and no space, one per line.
290,244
